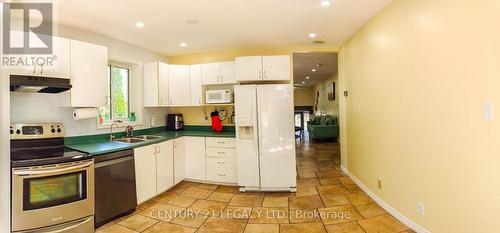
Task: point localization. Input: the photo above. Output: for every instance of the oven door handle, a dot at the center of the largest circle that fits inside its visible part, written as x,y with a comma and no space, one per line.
52,171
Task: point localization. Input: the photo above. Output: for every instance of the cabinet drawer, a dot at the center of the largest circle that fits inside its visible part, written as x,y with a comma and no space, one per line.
221,142
221,152
220,162
221,174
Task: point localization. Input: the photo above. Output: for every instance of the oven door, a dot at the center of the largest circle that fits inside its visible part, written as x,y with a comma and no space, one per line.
49,195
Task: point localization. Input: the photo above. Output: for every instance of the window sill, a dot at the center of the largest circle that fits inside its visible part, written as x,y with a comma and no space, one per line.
107,125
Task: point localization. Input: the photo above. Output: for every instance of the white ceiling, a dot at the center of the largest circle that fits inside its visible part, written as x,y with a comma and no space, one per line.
222,24
303,63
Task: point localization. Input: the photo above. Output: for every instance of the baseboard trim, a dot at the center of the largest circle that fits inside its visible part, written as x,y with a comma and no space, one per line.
384,205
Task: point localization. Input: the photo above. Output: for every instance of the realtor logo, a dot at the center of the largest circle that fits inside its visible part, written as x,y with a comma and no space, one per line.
27,28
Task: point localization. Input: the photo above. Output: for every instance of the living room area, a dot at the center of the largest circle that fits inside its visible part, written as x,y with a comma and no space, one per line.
316,97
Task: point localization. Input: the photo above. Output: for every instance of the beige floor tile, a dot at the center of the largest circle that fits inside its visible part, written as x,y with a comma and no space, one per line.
349,227
222,197
332,201
223,225
210,187
262,228
247,200
114,228
190,219
181,201
358,199
164,197
163,212
330,181
304,215
353,188
306,202
308,182
163,227
227,189
371,210
236,212
197,193
332,190
146,204
306,191
270,201
306,175
315,227
266,215
346,180
339,214
382,224
137,222
209,208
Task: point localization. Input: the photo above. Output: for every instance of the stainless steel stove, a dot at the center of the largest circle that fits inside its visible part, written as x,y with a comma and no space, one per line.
52,186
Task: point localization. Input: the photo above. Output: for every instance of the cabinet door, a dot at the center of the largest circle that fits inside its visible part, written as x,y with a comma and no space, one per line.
61,64
276,68
163,84
145,172
227,72
150,84
89,64
164,166
179,85
22,68
179,160
248,68
196,87
210,73
195,158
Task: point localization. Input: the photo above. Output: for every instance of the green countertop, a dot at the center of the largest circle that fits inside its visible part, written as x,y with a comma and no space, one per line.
99,144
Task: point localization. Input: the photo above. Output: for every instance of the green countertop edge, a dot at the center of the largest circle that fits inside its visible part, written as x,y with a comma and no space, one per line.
99,144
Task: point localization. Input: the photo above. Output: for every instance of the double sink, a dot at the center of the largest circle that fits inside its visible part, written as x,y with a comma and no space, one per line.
137,139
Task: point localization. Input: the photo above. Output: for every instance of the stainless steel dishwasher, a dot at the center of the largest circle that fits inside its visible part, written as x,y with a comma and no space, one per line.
115,194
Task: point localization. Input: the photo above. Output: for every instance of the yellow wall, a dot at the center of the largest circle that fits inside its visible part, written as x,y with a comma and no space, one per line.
326,106
303,96
196,116
420,73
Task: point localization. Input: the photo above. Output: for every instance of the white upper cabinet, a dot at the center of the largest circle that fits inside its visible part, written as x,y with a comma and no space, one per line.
150,84
61,60
248,68
89,64
227,72
276,68
263,68
210,73
218,73
163,84
196,86
179,85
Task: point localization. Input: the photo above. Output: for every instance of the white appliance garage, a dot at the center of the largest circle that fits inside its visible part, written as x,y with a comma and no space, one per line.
265,138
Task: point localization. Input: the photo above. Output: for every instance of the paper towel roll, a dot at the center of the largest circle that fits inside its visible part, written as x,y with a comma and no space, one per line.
85,113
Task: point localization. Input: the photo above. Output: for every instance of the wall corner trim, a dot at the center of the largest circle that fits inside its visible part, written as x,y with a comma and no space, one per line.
414,226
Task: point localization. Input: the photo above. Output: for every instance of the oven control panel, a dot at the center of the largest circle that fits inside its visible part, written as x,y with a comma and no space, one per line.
36,131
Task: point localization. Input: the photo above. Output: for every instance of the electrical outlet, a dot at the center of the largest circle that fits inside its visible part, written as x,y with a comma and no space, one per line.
421,208
379,183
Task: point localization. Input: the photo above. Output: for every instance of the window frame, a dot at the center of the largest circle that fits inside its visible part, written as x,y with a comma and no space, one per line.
111,89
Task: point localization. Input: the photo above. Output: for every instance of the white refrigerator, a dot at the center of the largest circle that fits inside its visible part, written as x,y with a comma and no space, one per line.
265,137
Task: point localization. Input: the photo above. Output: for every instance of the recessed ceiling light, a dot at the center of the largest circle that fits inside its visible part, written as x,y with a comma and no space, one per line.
313,70
312,35
308,77
303,82
325,3
183,44
139,24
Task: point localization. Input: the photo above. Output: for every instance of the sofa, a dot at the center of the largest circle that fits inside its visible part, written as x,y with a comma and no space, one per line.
323,127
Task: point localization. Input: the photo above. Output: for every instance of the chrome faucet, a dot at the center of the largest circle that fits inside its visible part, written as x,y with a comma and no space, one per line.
115,123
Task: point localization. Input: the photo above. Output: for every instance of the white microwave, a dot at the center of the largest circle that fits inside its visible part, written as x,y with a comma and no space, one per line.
218,96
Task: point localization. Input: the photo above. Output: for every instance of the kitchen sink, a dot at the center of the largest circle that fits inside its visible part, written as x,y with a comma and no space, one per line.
147,137
130,140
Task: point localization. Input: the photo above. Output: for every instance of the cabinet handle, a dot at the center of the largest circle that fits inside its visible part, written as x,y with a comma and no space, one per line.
260,74
41,71
34,69
221,153
221,78
265,74
161,101
159,149
221,174
221,162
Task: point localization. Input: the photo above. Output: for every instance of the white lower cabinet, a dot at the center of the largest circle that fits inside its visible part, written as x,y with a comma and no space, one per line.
164,166
145,172
195,158
179,160
221,160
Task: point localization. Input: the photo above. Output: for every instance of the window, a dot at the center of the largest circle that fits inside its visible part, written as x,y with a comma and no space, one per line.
118,103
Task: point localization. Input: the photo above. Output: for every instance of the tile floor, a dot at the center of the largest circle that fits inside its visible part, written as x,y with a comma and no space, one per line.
326,201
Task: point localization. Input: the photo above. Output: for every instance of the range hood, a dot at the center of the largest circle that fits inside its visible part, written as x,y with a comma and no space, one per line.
37,84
